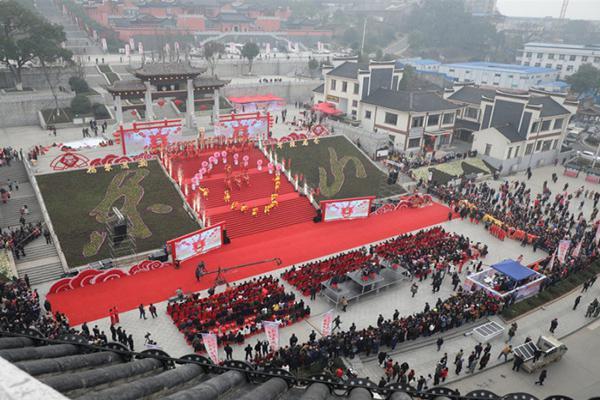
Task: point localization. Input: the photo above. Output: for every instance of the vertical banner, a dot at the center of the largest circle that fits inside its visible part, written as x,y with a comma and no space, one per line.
127,51
211,346
131,44
95,34
272,332
327,321
577,249
140,48
104,44
551,263
563,249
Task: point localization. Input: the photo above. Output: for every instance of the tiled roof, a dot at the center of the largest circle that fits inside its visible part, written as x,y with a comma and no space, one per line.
167,69
510,132
550,107
409,101
79,370
320,88
347,69
472,94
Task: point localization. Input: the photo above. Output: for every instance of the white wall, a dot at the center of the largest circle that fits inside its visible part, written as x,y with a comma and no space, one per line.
552,56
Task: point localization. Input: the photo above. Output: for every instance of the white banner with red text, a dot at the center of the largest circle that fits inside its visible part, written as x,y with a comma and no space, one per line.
198,242
346,209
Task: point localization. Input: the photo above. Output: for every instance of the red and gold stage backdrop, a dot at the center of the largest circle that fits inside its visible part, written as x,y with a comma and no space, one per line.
146,136
249,126
346,209
198,242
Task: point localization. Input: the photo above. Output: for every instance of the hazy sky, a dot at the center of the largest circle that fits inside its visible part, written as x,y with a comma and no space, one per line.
578,9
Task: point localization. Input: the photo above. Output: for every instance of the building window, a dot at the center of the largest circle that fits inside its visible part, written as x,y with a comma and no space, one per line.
529,149
546,125
528,54
332,84
497,75
555,144
526,63
412,143
572,58
561,56
344,86
356,88
353,113
538,64
597,59
448,119
417,122
451,70
509,153
538,145
558,123
534,127
367,114
559,67
546,145
548,65
472,113
569,68
517,151
433,120
551,56
488,149
391,118
354,103
540,55
584,58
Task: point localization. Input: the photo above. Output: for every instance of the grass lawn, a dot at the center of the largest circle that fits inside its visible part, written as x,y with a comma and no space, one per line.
75,203
337,168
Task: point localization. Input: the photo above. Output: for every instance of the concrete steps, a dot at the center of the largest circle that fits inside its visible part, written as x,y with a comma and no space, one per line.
42,273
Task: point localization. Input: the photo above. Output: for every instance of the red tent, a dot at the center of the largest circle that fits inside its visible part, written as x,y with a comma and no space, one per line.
327,108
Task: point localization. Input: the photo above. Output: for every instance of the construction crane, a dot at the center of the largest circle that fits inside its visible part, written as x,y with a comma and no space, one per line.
563,9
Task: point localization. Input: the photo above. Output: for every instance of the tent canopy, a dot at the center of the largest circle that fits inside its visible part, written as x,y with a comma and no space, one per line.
513,269
255,99
327,108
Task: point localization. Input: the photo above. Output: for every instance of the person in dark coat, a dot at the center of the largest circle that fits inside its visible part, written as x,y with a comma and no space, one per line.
542,378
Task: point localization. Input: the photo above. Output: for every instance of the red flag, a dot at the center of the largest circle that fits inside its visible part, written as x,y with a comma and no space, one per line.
326,324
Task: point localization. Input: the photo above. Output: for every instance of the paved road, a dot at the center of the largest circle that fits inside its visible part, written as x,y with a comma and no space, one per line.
576,375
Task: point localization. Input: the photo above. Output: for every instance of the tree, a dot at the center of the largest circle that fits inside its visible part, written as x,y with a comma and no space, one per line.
78,85
586,79
250,51
81,105
408,75
212,50
26,37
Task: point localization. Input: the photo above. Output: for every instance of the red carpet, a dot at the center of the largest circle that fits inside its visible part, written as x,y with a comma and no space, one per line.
293,244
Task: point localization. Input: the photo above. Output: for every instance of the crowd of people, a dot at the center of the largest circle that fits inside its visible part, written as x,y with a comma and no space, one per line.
237,312
421,254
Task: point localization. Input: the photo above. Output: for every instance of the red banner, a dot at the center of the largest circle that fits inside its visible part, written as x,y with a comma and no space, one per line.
327,321
563,249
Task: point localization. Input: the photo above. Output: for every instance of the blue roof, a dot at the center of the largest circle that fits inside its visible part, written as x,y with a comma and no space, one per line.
523,69
418,61
513,269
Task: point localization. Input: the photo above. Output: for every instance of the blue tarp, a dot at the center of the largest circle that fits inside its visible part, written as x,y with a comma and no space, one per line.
513,269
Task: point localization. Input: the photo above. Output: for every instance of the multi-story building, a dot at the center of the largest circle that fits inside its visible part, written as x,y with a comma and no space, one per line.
347,82
414,121
481,7
420,64
566,58
512,130
500,75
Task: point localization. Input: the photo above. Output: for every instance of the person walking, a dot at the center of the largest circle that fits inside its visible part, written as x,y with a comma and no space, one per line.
485,358
439,343
152,310
142,311
577,300
517,363
542,378
413,289
553,325
505,352
344,303
336,323
512,331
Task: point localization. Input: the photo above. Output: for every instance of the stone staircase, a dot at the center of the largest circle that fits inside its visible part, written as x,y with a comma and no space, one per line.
41,262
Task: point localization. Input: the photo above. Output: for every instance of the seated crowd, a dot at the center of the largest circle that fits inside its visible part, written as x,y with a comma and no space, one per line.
421,254
237,312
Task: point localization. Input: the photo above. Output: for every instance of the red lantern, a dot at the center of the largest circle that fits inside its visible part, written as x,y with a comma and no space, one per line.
178,102
203,106
134,112
161,102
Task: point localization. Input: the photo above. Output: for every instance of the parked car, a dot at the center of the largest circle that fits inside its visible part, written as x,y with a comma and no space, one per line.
588,155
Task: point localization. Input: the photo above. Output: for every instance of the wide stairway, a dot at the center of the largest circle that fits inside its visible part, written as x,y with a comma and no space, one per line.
292,207
41,262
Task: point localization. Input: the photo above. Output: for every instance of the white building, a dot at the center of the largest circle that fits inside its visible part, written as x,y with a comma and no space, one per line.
347,82
507,76
513,130
420,64
566,58
414,121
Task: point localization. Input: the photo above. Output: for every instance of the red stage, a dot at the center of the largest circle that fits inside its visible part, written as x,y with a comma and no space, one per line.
292,244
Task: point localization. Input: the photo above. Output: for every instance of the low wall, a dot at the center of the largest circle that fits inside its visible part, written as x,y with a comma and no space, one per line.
20,109
35,79
292,91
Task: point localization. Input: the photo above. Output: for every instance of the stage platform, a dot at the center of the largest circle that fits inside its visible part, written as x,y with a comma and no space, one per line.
353,288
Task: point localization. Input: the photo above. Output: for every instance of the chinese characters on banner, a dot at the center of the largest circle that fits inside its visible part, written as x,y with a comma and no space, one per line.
563,248
327,320
211,346
346,209
272,332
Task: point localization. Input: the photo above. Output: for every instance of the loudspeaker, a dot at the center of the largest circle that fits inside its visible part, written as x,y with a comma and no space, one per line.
119,232
226,239
318,217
